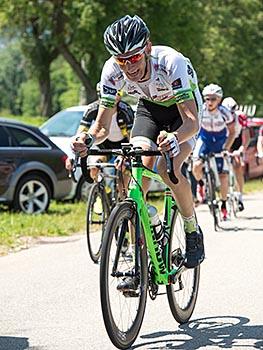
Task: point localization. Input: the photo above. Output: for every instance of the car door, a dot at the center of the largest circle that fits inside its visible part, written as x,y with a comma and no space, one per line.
9,157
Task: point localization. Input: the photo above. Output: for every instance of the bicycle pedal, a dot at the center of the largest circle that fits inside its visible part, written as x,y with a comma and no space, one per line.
131,294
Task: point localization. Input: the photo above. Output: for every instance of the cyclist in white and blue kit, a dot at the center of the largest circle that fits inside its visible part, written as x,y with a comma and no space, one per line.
167,115
217,133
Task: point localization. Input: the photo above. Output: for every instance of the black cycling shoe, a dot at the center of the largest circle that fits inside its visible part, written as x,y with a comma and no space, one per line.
129,284
240,206
195,252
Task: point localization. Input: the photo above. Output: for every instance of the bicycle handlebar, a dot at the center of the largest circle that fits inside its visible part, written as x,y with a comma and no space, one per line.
127,151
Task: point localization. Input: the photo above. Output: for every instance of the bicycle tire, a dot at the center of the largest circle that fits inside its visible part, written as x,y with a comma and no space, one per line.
120,337
95,249
181,311
210,178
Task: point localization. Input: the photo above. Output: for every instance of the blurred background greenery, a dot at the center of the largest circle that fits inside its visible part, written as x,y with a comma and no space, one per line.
52,52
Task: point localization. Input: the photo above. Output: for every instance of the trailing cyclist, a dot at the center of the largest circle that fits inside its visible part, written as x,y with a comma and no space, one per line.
260,144
217,133
167,114
119,129
239,146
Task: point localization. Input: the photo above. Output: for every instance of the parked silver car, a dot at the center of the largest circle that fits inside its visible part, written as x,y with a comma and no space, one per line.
60,128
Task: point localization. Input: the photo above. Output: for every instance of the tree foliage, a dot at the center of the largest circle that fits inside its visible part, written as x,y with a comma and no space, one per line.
223,42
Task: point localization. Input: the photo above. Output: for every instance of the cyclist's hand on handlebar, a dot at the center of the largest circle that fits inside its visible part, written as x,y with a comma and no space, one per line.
168,143
69,164
80,145
119,163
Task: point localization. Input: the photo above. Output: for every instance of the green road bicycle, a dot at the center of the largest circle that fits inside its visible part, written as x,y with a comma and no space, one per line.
150,263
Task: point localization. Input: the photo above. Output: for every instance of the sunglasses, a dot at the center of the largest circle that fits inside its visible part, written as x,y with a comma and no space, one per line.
131,59
213,99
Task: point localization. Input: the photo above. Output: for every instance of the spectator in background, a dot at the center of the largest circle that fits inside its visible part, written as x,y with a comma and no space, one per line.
260,144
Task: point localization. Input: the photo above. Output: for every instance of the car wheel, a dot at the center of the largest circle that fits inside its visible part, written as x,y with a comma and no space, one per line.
82,191
32,195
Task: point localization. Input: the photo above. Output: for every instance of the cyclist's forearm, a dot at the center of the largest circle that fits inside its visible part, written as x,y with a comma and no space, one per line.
231,136
245,138
187,130
99,132
190,126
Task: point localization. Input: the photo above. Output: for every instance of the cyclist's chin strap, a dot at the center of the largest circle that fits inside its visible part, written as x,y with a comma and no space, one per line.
146,67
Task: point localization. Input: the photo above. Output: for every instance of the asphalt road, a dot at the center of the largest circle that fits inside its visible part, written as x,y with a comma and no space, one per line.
49,295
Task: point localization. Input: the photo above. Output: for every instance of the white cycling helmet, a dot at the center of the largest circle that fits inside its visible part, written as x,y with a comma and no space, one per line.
126,34
229,103
213,89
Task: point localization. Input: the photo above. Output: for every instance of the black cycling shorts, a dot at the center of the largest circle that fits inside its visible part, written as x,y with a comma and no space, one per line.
237,143
151,118
107,144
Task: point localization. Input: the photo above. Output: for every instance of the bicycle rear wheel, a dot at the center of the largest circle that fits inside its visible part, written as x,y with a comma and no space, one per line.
183,294
96,218
122,311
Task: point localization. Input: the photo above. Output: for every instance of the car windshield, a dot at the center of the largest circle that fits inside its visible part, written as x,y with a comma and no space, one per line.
64,123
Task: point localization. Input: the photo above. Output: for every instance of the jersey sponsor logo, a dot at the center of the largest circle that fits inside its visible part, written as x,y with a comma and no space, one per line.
134,92
184,96
160,68
108,90
177,84
115,78
190,71
161,97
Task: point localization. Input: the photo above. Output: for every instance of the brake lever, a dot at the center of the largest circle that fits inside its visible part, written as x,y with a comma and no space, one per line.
74,168
170,169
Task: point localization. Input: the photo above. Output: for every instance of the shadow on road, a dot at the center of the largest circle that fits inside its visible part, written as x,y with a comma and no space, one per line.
13,343
215,332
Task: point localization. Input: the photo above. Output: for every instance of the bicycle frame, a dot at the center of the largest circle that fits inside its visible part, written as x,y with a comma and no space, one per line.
162,275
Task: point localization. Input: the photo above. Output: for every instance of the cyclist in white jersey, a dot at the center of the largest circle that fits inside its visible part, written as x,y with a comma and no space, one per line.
217,133
240,144
167,115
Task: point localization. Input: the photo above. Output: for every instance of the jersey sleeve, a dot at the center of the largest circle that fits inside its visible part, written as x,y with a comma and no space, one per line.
227,115
109,85
127,113
183,79
89,117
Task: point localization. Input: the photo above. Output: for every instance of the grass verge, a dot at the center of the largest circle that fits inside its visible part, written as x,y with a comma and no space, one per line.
18,230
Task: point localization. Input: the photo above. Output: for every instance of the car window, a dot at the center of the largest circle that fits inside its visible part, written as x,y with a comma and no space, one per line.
64,123
24,138
5,139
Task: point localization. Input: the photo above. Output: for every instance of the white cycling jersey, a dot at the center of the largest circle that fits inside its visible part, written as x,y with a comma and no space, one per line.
173,80
217,120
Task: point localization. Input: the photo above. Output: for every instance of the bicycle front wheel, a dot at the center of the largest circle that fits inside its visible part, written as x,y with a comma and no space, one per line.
96,218
123,311
183,294
212,198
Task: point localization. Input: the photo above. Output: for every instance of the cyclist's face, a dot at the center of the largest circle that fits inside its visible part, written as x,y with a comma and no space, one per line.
135,64
212,102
